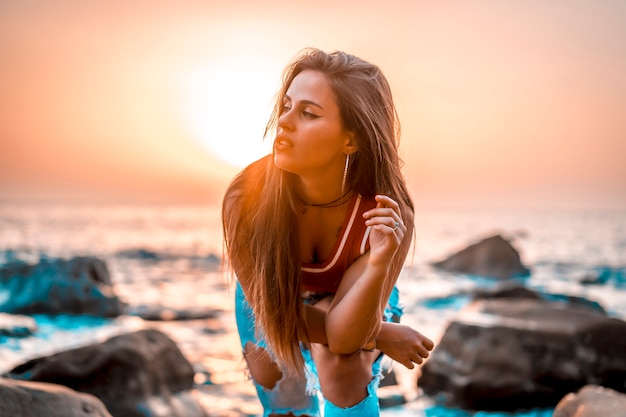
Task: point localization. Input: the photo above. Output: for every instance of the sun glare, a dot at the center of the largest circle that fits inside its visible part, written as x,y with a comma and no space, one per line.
226,105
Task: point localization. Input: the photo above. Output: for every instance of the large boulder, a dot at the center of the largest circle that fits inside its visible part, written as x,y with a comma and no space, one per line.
508,354
492,257
81,285
35,399
136,374
592,401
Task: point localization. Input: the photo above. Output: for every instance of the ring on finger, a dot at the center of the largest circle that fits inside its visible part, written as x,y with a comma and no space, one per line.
396,226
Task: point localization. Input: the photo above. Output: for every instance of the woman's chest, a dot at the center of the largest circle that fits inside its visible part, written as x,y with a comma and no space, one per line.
319,232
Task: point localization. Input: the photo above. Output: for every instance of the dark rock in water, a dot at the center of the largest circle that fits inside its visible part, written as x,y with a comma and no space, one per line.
161,313
576,302
592,401
508,289
604,275
210,261
80,285
34,399
493,257
508,354
143,254
137,374
389,378
14,325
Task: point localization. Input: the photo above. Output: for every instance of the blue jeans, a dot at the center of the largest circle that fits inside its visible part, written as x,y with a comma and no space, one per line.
303,397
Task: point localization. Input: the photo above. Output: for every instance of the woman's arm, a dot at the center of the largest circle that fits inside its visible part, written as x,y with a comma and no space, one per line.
400,342
356,312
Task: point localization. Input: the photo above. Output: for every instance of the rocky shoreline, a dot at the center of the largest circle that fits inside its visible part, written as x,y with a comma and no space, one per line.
509,349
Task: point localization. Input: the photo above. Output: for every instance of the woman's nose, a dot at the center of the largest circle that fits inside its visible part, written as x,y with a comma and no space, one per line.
285,120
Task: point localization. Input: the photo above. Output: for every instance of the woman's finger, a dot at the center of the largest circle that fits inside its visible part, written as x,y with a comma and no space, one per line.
388,202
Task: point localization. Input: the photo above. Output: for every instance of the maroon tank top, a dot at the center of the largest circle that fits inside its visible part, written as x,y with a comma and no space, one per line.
350,245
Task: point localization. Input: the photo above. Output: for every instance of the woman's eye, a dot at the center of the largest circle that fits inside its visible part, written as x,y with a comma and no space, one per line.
284,109
310,115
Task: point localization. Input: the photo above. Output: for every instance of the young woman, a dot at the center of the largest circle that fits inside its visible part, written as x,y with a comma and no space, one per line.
317,234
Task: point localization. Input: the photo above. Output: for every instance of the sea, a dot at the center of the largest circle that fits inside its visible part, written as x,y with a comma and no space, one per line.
169,256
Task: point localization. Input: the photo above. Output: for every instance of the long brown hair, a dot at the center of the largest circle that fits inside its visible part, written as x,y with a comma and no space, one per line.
262,237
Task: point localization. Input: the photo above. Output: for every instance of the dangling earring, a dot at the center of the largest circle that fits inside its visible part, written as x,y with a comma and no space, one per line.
345,175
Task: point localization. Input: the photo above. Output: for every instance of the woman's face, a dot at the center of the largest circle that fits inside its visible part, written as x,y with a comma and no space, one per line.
310,139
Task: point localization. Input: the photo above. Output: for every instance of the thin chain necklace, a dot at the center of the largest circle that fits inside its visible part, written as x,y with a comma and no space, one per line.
335,203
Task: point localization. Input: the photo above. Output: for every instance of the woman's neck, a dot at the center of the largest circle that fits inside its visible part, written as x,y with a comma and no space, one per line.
317,192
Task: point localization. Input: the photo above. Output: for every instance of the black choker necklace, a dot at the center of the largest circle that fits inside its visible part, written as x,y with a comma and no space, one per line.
335,203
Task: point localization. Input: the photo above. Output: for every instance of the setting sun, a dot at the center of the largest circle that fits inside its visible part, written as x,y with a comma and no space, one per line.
226,105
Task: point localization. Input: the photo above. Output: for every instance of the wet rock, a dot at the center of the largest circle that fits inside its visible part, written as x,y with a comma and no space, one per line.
210,262
162,313
14,325
389,378
604,275
508,289
592,401
136,374
34,399
81,285
508,354
493,257
141,254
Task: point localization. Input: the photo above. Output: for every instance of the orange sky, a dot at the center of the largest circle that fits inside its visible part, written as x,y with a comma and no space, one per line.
520,101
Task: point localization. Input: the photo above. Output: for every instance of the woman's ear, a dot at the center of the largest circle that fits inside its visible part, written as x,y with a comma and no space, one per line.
350,144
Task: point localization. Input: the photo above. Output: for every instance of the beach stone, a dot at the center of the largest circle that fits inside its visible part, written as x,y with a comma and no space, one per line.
35,399
136,374
506,289
519,353
209,262
592,401
492,257
512,289
604,275
162,313
80,285
14,325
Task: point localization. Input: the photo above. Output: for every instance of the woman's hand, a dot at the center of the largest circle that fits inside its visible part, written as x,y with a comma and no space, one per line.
387,232
403,344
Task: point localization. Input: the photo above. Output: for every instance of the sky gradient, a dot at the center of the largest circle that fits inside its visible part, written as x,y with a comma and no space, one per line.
516,102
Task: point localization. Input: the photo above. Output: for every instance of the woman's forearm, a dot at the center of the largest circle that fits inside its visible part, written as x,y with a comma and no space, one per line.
355,318
316,327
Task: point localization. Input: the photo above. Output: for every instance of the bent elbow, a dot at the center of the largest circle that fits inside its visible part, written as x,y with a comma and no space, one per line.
343,348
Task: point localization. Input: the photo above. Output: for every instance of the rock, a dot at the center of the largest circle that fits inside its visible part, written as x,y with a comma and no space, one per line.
210,262
592,401
81,285
508,354
389,378
604,275
508,289
493,257
34,399
142,254
14,325
137,374
162,313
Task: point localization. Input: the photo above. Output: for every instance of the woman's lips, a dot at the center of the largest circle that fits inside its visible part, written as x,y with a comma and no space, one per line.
282,143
